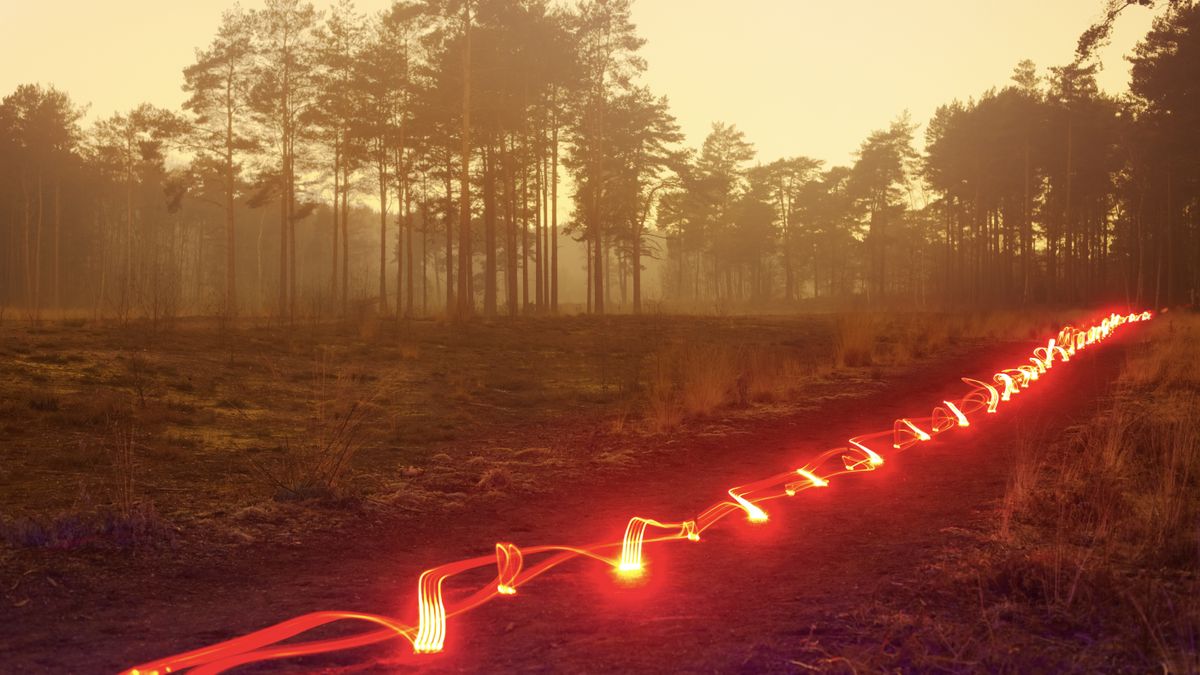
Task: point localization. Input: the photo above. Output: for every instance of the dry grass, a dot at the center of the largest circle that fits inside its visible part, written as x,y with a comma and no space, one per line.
365,316
865,339
122,453
409,351
128,519
89,526
225,419
855,339
226,414
1022,483
771,373
697,380
1167,358
664,411
1099,532
1091,562
316,463
884,339
1008,324
709,376
497,478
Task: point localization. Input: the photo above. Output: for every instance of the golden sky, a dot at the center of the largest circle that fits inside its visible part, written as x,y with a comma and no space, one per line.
798,76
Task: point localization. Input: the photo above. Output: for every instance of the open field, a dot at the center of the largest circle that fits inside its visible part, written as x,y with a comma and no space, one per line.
619,336
192,431
132,456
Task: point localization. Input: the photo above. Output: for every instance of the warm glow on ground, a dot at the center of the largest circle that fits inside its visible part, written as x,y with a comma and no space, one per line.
428,636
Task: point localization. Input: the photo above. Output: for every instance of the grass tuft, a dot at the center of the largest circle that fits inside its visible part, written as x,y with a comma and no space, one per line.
854,344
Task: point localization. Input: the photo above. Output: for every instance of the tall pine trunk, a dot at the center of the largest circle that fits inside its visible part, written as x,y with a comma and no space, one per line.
230,235
637,273
510,231
291,223
554,216
37,251
401,217
489,229
597,269
57,243
408,230
333,282
345,237
450,304
523,210
537,226
337,194
383,209
545,258
27,245
283,241
466,300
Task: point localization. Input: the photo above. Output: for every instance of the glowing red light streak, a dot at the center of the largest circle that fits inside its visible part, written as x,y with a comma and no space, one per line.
755,514
810,480
959,417
1009,387
1027,375
905,433
977,396
508,566
429,635
872,457
631,546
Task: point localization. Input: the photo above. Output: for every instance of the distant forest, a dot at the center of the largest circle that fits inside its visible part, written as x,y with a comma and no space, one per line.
414,162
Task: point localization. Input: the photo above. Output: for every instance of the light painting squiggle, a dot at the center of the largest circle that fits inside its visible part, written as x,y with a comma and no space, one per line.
863,454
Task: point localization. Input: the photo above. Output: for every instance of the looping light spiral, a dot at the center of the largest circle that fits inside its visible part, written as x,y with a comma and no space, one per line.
626,557
509,560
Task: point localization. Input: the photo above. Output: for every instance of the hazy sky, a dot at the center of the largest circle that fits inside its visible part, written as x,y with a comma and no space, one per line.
798,76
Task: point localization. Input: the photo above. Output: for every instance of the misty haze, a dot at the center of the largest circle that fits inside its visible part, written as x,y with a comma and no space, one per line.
600,336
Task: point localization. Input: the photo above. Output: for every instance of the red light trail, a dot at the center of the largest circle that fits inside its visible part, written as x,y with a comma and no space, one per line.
626,556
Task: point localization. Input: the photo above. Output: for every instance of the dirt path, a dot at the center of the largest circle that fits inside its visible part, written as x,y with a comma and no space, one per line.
741,599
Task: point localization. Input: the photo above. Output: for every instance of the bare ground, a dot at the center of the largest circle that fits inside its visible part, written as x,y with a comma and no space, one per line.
787,596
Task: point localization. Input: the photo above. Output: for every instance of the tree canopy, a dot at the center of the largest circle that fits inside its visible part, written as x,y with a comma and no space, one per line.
442,154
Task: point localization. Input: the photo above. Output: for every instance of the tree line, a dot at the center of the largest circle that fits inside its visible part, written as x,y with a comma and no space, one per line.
415,160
